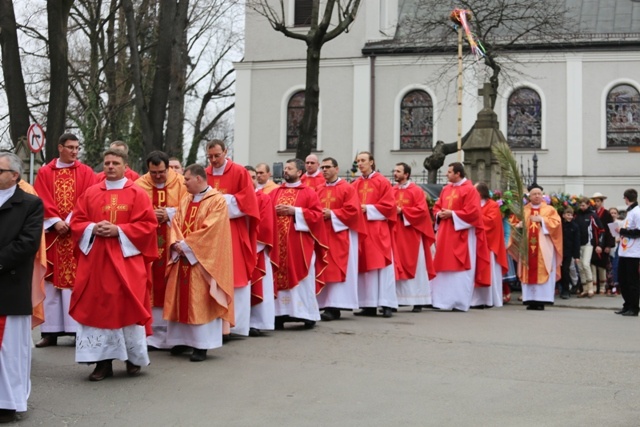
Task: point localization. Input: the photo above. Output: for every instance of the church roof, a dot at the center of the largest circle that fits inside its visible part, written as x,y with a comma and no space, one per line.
589,24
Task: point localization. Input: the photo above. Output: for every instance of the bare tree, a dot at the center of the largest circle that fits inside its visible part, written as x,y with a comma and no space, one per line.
337,16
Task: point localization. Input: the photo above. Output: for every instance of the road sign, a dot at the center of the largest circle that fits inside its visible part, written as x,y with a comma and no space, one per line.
36,138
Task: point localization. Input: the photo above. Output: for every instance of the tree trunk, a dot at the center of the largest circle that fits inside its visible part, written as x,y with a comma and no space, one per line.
179,59
12,71
309,124
57,17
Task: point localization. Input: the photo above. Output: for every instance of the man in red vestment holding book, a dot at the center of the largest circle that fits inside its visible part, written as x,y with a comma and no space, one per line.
301,246
199,295
165,189
414,236
462,257
491,296
376,275
312,177
59,184
234,182
114,226
344,224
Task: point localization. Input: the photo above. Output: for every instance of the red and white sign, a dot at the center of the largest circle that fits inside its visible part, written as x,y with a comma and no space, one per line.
36,138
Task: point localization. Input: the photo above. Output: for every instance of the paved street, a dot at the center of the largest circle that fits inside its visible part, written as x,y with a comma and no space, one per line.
573,364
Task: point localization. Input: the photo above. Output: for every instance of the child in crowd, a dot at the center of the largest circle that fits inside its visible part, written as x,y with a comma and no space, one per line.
570,250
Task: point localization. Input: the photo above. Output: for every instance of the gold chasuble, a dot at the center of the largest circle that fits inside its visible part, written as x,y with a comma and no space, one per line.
200,293
541,246
167,197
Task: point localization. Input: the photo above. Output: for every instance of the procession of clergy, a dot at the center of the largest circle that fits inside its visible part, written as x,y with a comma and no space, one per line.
177,262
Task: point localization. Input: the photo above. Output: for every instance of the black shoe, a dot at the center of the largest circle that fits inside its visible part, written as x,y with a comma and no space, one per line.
622,310
330,314
7,416
179,349
103,370
565,296
386,312
198,355
368,311
279,324
47,341
132,370
309,324
416,309
537,307
629,313
255,332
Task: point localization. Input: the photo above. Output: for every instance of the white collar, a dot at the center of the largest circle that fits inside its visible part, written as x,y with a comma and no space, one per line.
293,185
7,193
370,175
220,170
334,183
199,196
116,185
459,183
62,165
313,175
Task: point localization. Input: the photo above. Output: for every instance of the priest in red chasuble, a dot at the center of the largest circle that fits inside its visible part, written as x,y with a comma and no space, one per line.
165,189
262,292
302,249
59,184
199,293
491,296
234,182
376,274
414,236
344,223
462,257
114,226
544,237
313,176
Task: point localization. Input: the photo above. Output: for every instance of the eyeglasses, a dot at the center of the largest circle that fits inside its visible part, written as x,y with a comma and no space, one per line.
6,170
215,156
325,167
72,148
310,163
158,172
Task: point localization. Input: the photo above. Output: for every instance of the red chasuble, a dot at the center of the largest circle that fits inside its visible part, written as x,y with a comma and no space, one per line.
128,173
494,231
111,290
237,182
59,190
295,248
375,252
343,201
167,197
536,272
312,182
267,237
413,202
452,247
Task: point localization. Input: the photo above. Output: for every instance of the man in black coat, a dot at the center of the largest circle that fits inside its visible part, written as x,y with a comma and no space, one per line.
21,217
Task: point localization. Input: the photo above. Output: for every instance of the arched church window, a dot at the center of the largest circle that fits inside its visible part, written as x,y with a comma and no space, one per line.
623,116
416,121
295,112
524,121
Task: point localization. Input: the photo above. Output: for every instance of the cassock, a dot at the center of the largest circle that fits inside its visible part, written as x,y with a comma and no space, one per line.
128,173
262,292
234,182
544,238
302,252
376,275
314,180
60,185
414,236
168,196
21,217
492,295
462,257
199,292
110,300
344,229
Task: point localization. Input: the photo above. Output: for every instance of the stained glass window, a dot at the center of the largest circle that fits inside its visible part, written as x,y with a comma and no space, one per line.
524,110
295,112
416,121
623,116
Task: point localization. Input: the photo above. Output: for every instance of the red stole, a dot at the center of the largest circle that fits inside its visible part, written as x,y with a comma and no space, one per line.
533,234
267,237
3,323
159,266
184,274
286,196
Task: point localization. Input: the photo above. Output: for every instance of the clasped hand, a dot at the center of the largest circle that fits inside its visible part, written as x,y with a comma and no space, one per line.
105,229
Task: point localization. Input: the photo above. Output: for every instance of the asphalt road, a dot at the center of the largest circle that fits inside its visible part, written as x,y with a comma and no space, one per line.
564,366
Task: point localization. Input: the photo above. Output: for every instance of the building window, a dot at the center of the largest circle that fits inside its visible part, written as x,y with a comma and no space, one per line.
524,110
302,13
416,121
623,118
295,112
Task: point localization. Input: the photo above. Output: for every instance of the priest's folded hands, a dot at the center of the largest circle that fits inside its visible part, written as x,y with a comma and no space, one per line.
105,229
